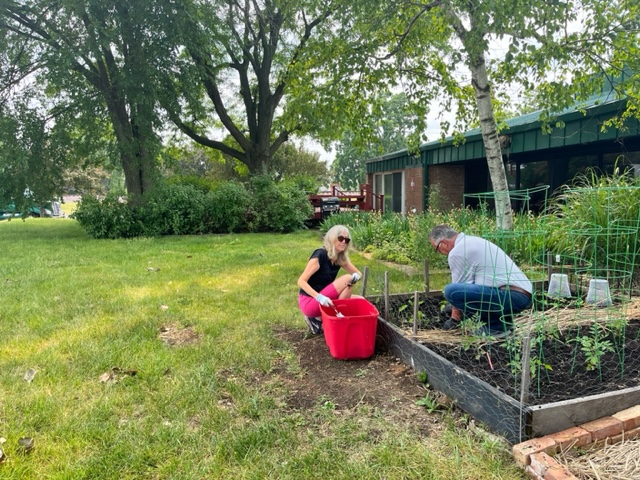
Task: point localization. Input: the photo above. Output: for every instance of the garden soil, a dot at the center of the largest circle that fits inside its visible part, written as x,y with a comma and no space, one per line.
381,382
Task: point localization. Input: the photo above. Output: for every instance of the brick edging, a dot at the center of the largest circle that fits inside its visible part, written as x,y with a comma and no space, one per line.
535,456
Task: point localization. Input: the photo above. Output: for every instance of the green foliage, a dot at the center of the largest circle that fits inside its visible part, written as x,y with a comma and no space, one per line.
391,119
388,237
405,239
292,162
278,68
33,158
108,218
276,207
187,209
199,182
100,77
227,207
175,209
429,402
594,347
596,221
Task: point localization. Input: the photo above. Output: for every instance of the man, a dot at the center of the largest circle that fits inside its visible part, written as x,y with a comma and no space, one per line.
484,281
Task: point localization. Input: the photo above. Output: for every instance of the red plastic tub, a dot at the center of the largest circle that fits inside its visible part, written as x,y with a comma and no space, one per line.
353,336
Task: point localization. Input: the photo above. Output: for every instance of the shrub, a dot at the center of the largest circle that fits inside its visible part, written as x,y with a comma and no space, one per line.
276,207
227,208
186,209
175,209
108,218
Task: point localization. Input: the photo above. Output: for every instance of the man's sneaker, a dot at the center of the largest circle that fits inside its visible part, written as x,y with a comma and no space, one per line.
450,324
485,331
315,324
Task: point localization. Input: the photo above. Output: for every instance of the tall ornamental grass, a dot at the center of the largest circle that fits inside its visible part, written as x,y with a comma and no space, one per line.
596,221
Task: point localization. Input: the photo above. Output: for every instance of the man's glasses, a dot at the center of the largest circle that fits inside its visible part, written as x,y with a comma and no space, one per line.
344,239
438,246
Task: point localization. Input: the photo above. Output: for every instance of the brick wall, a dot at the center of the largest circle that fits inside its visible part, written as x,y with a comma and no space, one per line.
450,181
414,195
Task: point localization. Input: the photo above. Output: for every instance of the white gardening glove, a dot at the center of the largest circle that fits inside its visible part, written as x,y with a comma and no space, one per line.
354,278
324,301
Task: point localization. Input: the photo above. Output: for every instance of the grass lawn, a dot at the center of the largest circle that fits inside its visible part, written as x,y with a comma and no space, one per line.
111,400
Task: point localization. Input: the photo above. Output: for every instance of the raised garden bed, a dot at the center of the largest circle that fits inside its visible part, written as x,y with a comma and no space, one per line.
579,372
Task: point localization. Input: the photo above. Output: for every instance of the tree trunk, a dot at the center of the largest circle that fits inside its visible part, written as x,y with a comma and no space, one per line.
135,155
497,173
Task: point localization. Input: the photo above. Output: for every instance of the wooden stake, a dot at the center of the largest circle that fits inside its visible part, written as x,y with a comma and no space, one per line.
365,277
526,369
415,312
386,296
427,288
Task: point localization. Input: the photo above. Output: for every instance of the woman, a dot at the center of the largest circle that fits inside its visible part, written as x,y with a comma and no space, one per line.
318,283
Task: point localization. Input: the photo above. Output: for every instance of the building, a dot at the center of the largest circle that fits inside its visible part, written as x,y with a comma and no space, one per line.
532,158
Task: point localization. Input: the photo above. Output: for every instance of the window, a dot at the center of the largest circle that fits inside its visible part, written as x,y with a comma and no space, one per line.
391,186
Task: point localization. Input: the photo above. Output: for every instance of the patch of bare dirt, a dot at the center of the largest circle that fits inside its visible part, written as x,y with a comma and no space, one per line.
177,335
382,382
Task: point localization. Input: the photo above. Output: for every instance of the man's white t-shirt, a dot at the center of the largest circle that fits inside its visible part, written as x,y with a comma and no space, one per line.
478,261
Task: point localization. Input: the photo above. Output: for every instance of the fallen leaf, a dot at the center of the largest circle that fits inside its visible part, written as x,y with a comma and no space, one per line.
28,376
3,457
164,307
105,377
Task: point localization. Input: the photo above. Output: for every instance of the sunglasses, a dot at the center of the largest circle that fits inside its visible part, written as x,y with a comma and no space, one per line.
438,246
344,239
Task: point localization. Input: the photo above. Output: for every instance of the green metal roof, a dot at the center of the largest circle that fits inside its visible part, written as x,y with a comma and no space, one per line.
582,124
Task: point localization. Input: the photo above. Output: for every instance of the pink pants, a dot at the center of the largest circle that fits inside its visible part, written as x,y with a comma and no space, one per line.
310,307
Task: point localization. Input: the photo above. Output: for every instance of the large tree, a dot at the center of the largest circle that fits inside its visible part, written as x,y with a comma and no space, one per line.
260,67
96,60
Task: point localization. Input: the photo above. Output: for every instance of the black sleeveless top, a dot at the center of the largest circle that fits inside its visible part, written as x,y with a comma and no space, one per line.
325,275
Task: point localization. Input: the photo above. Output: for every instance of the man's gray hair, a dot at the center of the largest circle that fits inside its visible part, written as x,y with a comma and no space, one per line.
441,232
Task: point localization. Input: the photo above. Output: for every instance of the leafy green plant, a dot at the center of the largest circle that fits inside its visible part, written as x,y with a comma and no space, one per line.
189,209
602,213
408,307
594,347
429,403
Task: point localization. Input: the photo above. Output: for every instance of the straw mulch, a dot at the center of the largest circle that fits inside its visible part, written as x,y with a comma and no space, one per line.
561,318
618,461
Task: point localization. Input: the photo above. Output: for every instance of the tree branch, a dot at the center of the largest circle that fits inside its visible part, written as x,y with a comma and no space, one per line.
223,147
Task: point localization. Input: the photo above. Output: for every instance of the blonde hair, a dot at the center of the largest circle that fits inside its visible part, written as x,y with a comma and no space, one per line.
337,258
